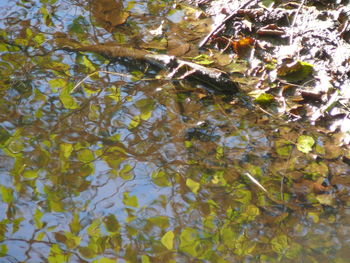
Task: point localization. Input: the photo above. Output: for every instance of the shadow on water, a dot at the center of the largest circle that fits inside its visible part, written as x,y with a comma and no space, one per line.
154,171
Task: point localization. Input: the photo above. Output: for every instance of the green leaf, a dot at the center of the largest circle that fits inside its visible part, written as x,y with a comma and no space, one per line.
264,99
105,260
279,244
126,172
74,225
193,185
115,93
305,143
6,194
168,240
160,221
72,241
37,218
30,174
3,250
94,228
111,223
88,64
39,39
146,107
67,100
135,122
202,59
219,152
295,71
283,147
4,136
160,178
57,255
317,170
145,259
66,149
86,156
188,241
130,200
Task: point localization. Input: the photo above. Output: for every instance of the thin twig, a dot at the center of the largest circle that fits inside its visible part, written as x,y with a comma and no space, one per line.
255,181
294,21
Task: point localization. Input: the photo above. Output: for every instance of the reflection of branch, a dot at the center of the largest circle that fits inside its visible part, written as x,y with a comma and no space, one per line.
48,243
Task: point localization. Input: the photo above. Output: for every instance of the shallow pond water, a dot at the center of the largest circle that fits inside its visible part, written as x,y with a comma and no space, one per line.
128,168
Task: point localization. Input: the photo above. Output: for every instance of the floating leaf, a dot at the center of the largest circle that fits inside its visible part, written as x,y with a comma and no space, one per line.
305,143
193,185
168,240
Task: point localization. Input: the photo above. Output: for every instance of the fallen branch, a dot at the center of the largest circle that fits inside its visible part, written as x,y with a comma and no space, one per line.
179,68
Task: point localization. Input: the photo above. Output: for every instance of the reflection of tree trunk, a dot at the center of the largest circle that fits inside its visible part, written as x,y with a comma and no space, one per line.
178,68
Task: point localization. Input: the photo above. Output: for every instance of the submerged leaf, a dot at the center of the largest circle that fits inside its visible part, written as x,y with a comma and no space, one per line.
305,143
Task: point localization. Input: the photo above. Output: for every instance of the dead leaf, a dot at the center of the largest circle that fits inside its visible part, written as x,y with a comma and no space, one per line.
241,46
